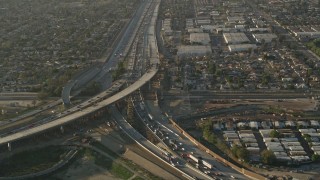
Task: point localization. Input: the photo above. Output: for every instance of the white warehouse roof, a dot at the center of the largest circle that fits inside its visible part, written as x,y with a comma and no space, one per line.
267,37
202,38
241,47
192,51
235,38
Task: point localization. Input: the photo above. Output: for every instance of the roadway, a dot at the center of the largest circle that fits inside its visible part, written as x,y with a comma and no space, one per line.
159,124
125,126
92,71
90,107
113,59
76,82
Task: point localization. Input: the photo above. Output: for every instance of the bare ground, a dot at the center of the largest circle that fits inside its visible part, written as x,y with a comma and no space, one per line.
85,169
146,164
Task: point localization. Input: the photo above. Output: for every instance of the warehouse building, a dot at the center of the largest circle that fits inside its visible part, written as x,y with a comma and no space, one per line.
195,30
200,22
189,23
166,27
192,51
235,38
267,38
200,38
241,47
261,30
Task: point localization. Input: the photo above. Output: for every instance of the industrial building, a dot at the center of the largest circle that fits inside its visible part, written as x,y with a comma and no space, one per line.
200,22
260,30
192,51
200,38
195,30
241,47
235,38
267,37
189,23
307,35
235,19
166,27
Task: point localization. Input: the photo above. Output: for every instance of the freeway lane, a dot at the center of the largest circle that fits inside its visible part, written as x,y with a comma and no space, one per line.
74,114
96,106
113,59
124,125
187,144
71,117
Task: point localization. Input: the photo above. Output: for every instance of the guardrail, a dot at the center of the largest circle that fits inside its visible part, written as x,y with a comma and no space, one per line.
142,146
243,171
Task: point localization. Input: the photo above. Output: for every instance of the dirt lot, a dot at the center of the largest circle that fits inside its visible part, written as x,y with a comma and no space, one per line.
85,169
182,107
144,163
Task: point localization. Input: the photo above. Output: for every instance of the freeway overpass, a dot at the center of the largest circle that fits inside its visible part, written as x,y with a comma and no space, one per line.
154,61
124,42
86,111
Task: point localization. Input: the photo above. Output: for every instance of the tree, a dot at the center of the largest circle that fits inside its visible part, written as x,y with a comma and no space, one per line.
268,157
266,78
234,150
275,134
212,138
240,152
315,157
243,153
212,68
207,130
307,137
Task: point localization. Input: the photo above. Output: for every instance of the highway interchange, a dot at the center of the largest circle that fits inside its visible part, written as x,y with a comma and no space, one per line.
143,66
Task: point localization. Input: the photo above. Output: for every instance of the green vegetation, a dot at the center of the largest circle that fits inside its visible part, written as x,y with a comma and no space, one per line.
268,157
92,89
266,78
307,137
116,169
121,171
275,134
315,157
119,71
31,161
314,46
53,86
275,110
208,133
138,178
240,152
129,163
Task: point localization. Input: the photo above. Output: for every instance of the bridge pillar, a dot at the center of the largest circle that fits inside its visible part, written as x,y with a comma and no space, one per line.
61,129
156,102
9,146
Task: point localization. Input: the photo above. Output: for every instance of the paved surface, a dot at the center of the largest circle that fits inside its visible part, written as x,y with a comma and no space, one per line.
150,166
124,125
113,59
71,117
189,146
80,112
